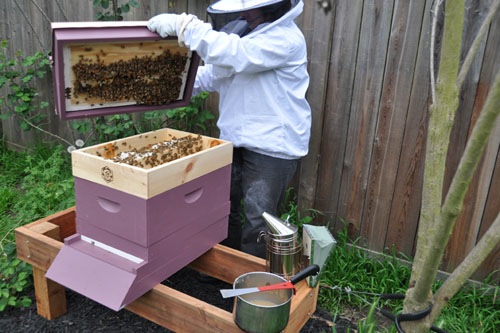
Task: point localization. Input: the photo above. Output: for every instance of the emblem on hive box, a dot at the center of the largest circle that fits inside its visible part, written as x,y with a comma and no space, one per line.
107,174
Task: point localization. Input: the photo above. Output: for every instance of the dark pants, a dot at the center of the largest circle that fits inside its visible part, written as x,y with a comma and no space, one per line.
259,183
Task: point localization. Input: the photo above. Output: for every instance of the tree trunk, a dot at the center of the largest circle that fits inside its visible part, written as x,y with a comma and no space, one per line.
436,223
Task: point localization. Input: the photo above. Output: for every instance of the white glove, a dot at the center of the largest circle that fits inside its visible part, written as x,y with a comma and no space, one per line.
171,25
164,24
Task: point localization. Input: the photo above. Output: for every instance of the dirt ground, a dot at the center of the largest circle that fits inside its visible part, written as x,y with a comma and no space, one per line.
85,315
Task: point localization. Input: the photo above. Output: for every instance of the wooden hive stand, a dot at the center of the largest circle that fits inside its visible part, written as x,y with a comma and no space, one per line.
39,242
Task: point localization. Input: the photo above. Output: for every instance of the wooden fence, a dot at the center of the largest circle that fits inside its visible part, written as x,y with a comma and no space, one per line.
369,63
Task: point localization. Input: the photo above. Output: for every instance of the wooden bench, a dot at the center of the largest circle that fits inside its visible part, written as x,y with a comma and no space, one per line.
39,242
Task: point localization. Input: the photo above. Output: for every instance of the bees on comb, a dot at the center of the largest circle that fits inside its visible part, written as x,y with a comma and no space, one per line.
147,80
154,154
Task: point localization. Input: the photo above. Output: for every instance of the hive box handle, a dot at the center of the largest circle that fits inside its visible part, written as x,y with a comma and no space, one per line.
108,205
193,196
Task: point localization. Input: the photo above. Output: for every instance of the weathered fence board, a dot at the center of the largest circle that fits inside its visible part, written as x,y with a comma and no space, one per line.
362,137
318,32
335,125
369,92
405,209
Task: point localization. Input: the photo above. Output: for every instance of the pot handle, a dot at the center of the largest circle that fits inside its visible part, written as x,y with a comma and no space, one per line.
309,270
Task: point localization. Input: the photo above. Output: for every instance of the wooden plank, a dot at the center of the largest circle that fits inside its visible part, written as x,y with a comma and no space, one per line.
313,24
405,210
492,263
341,76
48,229
65,219
36,249
214,263
182,313
302,307
50,296
396,90
363,110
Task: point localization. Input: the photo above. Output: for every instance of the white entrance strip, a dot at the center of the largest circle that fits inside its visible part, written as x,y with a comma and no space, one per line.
113,250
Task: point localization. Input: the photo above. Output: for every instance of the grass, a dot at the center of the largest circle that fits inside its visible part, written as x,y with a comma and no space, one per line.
39,183
32,185
354,281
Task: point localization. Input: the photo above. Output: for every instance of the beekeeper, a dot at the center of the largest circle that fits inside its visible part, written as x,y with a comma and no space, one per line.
258,65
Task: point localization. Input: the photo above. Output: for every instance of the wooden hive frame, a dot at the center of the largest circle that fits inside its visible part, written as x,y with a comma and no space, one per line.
118,49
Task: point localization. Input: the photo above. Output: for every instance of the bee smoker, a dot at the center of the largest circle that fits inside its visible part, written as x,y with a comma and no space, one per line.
283,247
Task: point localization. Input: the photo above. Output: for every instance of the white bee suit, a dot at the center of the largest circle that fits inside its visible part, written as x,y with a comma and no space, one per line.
262,80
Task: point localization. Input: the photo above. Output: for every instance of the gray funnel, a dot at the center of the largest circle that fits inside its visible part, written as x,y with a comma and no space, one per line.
278,226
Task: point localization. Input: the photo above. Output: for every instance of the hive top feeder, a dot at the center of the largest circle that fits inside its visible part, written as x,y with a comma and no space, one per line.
103,68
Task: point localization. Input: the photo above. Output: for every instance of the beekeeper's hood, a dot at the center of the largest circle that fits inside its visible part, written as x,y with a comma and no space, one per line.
234,6
224,11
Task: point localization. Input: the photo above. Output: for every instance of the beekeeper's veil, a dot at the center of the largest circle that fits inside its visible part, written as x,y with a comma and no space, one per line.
225,14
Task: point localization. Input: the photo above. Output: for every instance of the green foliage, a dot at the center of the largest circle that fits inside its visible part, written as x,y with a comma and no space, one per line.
192,118
52,168
33,185
111,11
17,78
106,128
368,325
292,213
352,279
14,279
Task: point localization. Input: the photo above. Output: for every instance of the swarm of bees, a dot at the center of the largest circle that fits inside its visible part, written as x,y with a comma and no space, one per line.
154,154
148,80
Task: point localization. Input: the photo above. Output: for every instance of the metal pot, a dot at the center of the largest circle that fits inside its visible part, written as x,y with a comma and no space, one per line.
269,311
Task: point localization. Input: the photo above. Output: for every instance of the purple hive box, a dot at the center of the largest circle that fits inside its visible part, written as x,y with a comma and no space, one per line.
135,226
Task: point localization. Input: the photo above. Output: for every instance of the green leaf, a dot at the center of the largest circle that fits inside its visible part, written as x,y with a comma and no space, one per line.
3,303
26,301
25,126
27,78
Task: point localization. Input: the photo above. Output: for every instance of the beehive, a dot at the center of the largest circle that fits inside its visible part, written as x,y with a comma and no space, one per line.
137,225
102,68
